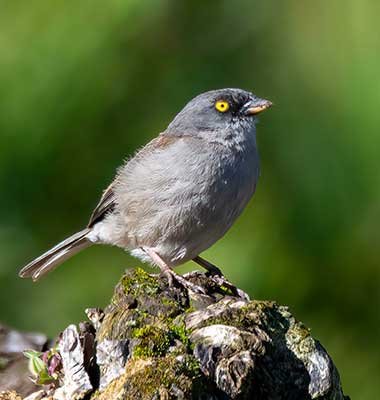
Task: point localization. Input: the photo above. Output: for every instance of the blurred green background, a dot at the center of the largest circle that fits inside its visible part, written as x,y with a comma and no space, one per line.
83,84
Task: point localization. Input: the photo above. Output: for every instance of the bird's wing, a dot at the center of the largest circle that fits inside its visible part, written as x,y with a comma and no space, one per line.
105,205
107,201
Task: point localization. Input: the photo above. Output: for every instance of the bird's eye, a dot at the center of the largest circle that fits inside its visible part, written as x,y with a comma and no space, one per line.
222,106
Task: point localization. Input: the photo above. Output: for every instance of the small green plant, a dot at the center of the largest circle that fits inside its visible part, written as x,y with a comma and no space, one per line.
45,366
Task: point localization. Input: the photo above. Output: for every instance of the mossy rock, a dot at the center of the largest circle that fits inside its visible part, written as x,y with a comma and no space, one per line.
161,341
216,345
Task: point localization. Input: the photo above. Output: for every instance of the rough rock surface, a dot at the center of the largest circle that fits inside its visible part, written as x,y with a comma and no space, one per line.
159,342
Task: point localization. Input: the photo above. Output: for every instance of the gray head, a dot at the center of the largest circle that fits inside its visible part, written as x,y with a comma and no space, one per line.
218,110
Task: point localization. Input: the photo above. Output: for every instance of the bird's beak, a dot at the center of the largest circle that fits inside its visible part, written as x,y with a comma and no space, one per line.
257,106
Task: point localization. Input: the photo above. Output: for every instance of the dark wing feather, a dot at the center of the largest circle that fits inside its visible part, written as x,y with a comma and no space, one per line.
105,205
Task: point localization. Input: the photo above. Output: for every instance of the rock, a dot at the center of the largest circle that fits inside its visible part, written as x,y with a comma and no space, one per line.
155,341
76,381
225,355
111,356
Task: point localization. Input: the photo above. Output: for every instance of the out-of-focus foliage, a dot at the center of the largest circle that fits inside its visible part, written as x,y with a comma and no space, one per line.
83,84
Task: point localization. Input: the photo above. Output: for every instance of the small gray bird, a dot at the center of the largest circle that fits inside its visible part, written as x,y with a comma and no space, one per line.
181,192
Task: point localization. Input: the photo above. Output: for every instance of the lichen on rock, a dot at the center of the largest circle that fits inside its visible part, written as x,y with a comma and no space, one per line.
156,341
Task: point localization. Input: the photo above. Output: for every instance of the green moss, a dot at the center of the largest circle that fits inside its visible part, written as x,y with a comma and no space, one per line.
167,301
153,341
117,324
190,367
139,281
299,332
226,290
180,332
159,377
3,362
299,340
137,303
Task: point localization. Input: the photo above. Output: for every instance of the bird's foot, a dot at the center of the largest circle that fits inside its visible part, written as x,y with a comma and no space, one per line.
217,276
170,275
174,278
222,282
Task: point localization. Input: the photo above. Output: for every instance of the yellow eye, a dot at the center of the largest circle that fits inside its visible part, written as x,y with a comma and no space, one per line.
222,106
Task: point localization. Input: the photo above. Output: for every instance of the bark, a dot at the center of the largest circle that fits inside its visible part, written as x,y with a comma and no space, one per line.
161,341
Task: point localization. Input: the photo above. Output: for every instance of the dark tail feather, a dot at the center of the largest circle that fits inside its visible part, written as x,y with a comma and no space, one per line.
55,256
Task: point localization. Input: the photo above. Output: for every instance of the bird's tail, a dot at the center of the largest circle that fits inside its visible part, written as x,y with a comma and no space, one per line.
57,255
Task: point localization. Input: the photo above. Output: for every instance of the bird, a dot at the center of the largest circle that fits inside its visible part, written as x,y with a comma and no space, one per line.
181,192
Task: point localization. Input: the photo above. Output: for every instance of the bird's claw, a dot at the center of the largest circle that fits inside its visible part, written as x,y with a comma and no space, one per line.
173,278
221,281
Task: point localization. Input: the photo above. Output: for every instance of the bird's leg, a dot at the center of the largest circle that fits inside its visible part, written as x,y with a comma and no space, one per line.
218,277
170,274
213,269
164,268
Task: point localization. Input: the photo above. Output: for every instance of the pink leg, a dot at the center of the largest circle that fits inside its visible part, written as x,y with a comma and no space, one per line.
170,274
156,259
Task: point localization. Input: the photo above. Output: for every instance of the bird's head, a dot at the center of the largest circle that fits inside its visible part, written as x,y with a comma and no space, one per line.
218,111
